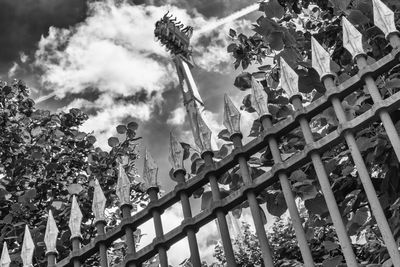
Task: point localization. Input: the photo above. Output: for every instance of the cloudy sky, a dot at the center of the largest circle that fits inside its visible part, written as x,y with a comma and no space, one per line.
101,56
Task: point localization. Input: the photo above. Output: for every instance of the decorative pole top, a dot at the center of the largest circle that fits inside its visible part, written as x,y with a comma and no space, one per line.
321,60
75,219
123,185
289,80
150,171
99,202
175,153
231,116
50,236
200,131
384,18
27,248
352,39
259,98
5,260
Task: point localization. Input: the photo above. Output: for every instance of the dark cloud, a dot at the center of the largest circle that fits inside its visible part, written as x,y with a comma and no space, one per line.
23,22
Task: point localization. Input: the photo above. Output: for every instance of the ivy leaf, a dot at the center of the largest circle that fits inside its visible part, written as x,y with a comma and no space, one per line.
356,17
329,245
243,81
272,9
113,141
231,48
132,126
341,5
224,135
75,189
316,205
275,40
298,175
206,200
186,150
232,33
276,204
121,129
332,262
30,194
256,128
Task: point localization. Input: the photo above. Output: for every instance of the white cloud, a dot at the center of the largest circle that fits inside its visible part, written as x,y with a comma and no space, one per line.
177,116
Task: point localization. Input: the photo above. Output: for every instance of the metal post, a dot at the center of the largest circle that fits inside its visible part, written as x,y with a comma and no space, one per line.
51,259
162,252
76,244
289,198
100,225
376,208
326,189
129,232
187,214
383,114
223,226
254,207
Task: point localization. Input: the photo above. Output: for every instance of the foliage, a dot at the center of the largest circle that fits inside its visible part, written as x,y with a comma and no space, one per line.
44,160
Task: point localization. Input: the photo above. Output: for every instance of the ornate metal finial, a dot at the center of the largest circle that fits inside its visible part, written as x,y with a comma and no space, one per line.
383,17
231,116
75,219
352,38
200,130
175,153
289,79
259,98
27,248
123,185
320,58
50,236
150,171
99,202
5,260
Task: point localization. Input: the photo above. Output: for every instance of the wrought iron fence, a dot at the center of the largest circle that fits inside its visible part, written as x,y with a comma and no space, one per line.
312,152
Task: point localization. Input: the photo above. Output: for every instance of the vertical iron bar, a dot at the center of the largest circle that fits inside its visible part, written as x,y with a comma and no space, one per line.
326,189
51,259
253,203
223,225
383,114
100,225
162,252
376,208
129,232
76,244
288,194
187,214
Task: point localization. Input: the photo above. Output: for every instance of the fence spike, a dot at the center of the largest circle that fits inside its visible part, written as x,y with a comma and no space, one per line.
289,79
321,60
5,260
231,116
123,185
352,38
27,248
99,202
260,98
50,236
150,170
200,130
175,153
383,17
75,219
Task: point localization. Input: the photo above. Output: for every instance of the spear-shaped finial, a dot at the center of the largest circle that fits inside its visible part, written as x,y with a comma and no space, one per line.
259,98
150,171
99,202
352,38
27,248
75,219
50,236
383,18
231,116
289,79
123,185
175,153
5,260
200,130
320,58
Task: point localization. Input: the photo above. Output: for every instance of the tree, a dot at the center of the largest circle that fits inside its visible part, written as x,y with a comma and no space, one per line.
44,160
285,30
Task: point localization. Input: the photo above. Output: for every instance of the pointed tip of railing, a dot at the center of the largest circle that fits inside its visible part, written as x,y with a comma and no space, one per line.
123,189
50,236
5,259
260,98
27,248
175,153
200,130
289,79
150,170
383,17
99,202
231,116
75,219
320,59
352,38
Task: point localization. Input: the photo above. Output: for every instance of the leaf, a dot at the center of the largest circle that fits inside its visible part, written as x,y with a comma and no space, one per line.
224,135
225,150
298,175
316,205
186,150
276,204
113,141
237,213
75,189
276,40
243,81
364,143
332,262
30,194
340,4
356,17
91,139
272,9
329,245
256,128
121,129
232,33
132,126
308,192
36,131
206,200
393,83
